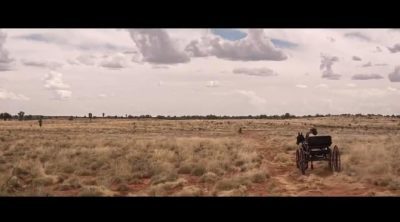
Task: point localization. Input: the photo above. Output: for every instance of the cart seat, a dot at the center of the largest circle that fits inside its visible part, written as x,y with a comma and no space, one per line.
319,141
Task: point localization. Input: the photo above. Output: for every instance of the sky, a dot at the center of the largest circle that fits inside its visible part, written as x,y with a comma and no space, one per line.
199,71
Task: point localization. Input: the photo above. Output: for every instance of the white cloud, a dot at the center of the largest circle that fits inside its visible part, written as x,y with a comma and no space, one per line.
5,60
392,89
54,82
198,48
116,61
327,62
63,94
41,63
351,85
255,71
253,98
256,46
212,84
157,47
395,75
5,94
302,86
87,59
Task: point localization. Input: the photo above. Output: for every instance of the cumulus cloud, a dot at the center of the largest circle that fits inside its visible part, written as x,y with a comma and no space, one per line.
366,76
116,61
395,75
198,48
62,94
7,95
157,47
369,64
42,63
392,89
253,98
53,81
212,84
256,46
357,35
87,59
356,58
5,60
395,48
255,71
302,86
327,62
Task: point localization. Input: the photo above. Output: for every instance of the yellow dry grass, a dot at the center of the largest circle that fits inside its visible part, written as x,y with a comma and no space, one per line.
110,157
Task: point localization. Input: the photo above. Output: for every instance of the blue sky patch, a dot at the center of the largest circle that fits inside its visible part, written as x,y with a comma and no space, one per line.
229,34
283,43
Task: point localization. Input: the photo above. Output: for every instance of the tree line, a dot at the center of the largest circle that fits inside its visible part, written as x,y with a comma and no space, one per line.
21,116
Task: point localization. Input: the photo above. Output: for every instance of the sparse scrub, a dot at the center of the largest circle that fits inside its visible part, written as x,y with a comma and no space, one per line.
175,158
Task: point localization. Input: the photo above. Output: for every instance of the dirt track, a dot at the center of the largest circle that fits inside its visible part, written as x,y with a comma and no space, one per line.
317,182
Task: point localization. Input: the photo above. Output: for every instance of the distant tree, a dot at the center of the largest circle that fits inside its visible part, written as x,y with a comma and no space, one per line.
103,115
5,116
21,115
71,118
286,116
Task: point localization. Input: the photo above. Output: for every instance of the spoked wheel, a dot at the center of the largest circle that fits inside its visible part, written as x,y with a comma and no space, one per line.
302,162
331,161
336,159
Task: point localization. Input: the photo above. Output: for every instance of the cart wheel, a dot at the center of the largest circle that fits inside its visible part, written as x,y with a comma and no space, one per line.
302,162
331,161
297,159
337,162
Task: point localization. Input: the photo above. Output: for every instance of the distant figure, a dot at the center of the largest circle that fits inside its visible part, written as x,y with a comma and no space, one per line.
312,131
40,121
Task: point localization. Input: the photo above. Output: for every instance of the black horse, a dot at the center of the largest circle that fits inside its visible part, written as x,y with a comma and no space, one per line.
300,138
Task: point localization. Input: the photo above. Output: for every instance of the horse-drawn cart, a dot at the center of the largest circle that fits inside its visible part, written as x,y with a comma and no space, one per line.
316,148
